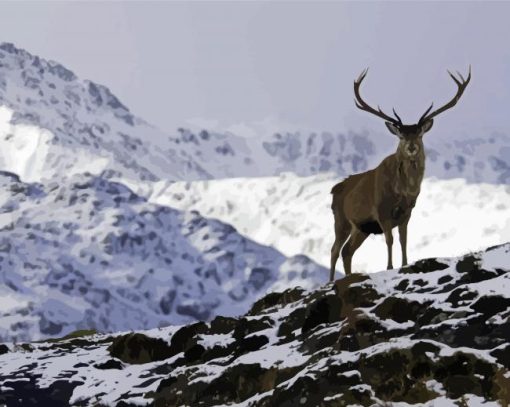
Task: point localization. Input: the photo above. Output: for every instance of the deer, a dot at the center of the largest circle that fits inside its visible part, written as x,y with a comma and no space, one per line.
378,200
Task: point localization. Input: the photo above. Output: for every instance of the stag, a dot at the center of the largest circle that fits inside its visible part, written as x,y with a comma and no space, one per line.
380,199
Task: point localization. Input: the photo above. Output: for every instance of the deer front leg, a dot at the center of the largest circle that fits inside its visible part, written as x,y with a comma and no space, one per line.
402,233
388,235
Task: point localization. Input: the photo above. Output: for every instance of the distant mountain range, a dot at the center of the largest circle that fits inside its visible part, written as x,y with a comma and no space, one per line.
53,124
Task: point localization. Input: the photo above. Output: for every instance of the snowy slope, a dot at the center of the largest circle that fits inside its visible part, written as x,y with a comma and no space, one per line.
91,254
436,333
293,215
52,123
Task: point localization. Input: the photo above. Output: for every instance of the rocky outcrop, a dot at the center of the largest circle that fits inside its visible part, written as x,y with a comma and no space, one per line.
435,332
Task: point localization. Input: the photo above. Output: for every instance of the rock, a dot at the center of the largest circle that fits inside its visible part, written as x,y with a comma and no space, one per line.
273,299
109,364
424,266
399,310
138,348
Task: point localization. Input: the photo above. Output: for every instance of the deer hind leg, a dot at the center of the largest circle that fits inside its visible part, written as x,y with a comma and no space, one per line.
342,231
354,242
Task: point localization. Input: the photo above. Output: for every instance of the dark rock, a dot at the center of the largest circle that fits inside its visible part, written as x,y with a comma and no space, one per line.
109,364
431,315
468,264
181,339
194,353
279,298
246,326
460,296
424,266
421,283
399,309
138,348
27,393
444,279
294,321
402,285
491,305
251,344
324,310
502,354
353,294
222,325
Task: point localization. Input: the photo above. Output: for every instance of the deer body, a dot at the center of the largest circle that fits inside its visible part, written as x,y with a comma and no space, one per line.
383,198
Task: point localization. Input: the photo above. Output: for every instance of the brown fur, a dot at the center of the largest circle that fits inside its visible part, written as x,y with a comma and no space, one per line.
376,201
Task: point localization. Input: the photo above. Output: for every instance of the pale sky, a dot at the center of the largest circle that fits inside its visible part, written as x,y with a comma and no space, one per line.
288,63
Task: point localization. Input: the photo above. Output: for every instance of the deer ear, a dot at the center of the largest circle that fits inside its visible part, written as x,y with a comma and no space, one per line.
427,125
393,129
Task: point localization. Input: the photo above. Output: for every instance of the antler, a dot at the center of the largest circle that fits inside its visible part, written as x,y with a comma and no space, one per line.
361,104
461,87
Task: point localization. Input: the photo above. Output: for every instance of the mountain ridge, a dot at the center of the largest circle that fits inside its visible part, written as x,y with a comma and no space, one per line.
80,126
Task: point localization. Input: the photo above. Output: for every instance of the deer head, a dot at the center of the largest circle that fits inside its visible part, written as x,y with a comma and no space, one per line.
410,135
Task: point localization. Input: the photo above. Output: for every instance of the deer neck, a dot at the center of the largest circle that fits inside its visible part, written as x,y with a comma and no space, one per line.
409,173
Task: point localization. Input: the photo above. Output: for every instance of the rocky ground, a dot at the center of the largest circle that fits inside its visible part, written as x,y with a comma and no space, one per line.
436,333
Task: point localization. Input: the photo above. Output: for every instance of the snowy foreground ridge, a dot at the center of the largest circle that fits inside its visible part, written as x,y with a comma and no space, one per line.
436,333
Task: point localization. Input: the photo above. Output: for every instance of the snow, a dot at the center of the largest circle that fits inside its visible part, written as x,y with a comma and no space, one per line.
210,341
285,355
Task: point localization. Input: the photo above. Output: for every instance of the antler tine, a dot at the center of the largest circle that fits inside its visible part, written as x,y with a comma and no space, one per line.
454,78
397,116
361,104
461,85
426,112
362,75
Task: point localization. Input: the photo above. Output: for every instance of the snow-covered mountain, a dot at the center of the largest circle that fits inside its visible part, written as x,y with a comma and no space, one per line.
435,333
53,124
293,214
91,254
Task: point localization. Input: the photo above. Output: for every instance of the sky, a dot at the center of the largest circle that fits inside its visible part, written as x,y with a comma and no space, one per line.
253,66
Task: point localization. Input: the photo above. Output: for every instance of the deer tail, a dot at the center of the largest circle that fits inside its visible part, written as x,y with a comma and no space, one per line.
337,192
337,189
